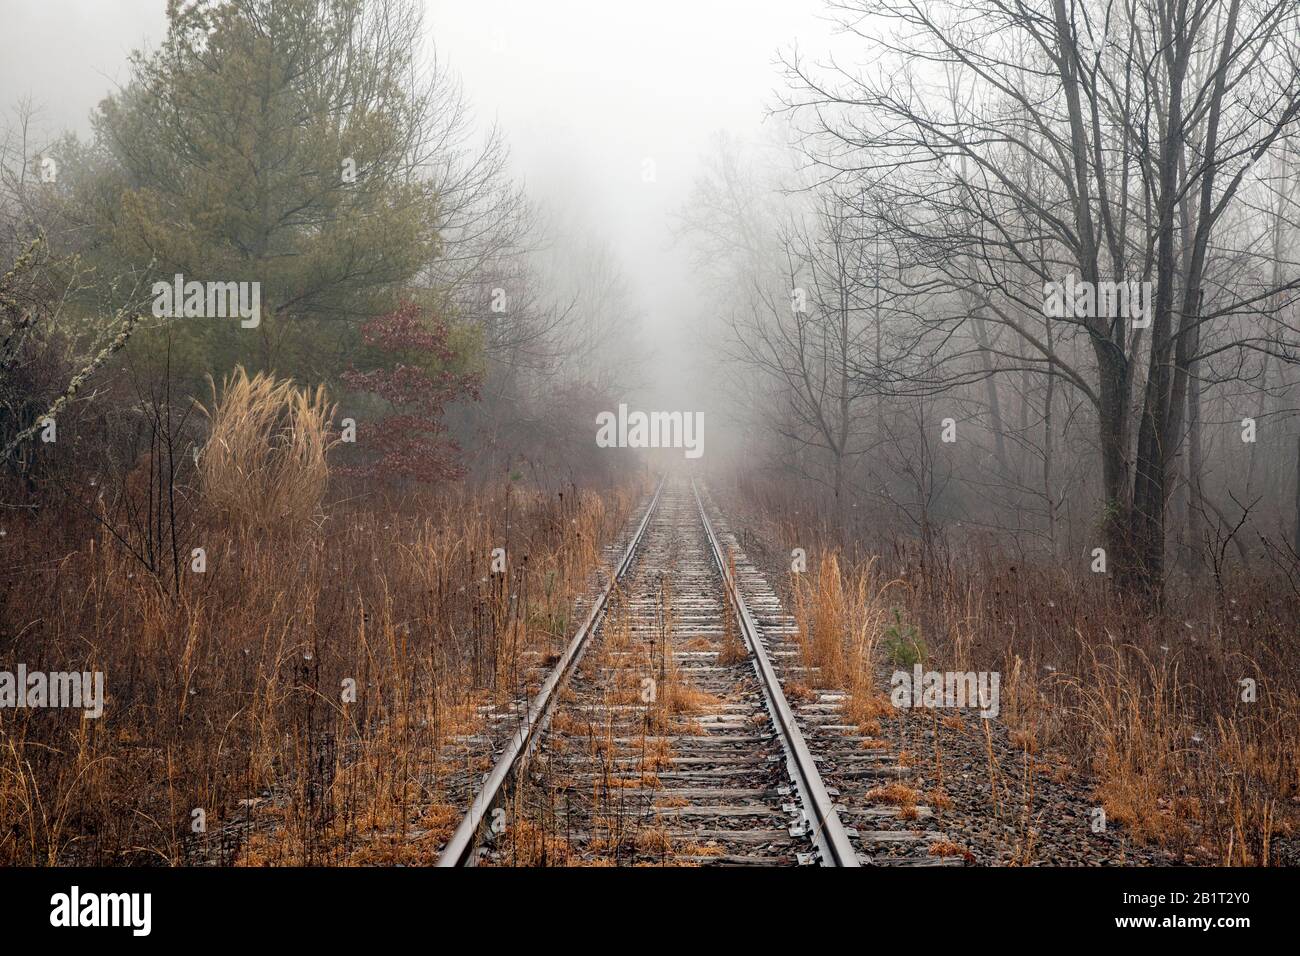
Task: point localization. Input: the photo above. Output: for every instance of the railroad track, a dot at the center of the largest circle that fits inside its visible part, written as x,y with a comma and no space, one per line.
663,735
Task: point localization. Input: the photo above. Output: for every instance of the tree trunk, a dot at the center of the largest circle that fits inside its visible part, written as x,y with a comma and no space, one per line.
1297,498
1195,496
991,391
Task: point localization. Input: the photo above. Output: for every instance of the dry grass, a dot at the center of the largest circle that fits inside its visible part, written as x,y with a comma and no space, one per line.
895,793
264,461
529,845
842,615
938,799
732,649
1147,705
315,691
948,848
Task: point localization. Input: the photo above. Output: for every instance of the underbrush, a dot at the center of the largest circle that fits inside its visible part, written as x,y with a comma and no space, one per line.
1184,724
294,696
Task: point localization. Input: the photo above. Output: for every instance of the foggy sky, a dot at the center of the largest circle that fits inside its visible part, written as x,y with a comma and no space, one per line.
585,90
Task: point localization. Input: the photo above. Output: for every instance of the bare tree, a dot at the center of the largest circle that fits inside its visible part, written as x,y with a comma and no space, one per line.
1027,143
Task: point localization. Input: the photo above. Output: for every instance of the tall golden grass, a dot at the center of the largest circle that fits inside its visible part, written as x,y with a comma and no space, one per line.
842,615
264,461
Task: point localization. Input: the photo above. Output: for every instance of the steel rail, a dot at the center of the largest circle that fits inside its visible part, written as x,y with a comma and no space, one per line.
818,809
459,850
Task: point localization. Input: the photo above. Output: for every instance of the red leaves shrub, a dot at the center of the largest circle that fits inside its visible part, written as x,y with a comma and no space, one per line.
410,444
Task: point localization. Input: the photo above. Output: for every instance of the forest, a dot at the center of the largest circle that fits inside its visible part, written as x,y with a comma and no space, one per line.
329,431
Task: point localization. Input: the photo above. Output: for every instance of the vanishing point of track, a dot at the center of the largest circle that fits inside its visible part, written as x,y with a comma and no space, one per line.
662,734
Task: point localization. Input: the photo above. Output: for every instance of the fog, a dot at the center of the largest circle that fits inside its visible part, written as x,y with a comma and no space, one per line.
829,287
377,344
588,92
594,98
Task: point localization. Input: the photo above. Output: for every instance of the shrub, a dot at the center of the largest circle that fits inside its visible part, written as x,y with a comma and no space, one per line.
903,644
264,462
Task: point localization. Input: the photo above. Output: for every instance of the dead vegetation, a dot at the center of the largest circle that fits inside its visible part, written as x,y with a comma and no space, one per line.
1150,709
313,695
